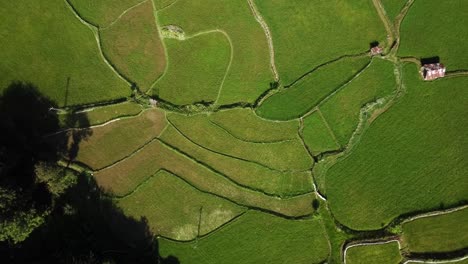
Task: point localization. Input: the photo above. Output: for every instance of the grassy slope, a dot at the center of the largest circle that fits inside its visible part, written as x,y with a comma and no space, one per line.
177,216
100,115
134,47
297,100
388,253
443,233
317,135
196,67
243,123
393,7
445,34
411,158
255,238
102,12
125,176
114,141
249,74
52,49
243,172
284,155
342,110
308,34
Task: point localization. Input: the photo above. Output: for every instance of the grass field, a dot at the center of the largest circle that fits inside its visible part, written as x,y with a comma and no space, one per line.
184,216
114,141
388,253
196,67
442,233
243,172
303,96
52,49
104,12
283,155
393,7
133,45
249,74
306,35
445,40
255,238
102,114
411,158
342,110
127,175
245,124
317,135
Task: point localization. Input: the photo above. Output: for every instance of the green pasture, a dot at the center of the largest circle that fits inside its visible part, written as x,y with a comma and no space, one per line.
307,34
317,135
441,233
160,4
112,142
393,8
101,13
411,158
249,74
53,50
133,45
196,68
255,238
99,115
245,173
122,178
183,216
342,109
243,123
387,253
437,28
283,155
303,96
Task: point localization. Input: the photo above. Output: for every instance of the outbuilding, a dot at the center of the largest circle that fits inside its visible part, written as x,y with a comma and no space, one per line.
432,71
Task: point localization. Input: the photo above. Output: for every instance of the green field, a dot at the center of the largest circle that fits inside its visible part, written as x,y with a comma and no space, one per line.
196,67
306,35
282,156
393,7
133,45
110,143
307,93
249,74
442,233
445,40
255,238
242,172
104,12
342,110
55,52
317,134
387,253
184,217
245,124
411,158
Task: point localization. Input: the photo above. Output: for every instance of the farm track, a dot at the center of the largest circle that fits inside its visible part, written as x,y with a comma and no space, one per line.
122,14
265,27
385,20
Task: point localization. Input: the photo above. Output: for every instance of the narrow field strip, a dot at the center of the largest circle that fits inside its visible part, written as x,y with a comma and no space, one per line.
457,260
373,256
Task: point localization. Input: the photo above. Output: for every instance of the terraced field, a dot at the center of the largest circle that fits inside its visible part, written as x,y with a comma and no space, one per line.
260,131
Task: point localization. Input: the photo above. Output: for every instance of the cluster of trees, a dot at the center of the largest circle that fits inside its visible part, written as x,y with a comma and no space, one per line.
49,213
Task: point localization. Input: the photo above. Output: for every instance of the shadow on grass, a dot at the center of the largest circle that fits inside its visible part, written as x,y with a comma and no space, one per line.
78,222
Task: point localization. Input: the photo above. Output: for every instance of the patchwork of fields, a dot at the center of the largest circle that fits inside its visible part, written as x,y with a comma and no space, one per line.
261,131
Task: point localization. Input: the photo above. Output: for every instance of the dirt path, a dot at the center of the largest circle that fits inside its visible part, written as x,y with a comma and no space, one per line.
265,27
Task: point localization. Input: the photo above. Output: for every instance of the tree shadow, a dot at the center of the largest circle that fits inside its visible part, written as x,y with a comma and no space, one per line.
82,224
